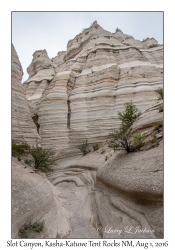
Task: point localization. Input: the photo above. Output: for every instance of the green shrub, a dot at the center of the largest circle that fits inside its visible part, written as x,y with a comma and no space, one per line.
158,125
112,144
28,162
106,158
153,45
19,158
130,115
96,146
154,139
19,149
161,108
138,139
27,228
84,147
122,136
38,226
160,92
43,158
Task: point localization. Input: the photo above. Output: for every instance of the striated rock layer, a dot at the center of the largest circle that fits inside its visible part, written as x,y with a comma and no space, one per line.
122,197
78,94
129,187
23,128
34,198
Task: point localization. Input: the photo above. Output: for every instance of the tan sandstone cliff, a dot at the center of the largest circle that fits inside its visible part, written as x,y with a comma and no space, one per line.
77,96
23,128
33,196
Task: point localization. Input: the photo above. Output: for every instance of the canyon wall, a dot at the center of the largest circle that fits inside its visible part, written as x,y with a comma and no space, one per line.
77,94
23,128
120,194
33,196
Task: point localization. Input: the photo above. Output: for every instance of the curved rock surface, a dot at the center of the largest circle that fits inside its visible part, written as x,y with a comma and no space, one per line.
35,199
23,128
76,96
132,186
121,197
118,198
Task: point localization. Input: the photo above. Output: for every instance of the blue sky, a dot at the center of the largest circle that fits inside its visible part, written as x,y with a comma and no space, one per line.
32,31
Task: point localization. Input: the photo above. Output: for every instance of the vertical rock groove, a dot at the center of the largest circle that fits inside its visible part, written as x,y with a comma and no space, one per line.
35,120
68,114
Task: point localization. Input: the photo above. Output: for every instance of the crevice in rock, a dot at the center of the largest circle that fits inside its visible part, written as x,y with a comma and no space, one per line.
68,114
35,120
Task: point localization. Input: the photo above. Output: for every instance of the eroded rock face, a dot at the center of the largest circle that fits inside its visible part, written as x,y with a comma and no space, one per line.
130,193
23,128
80,93
77,95
150,42
34,198
122,197
40,62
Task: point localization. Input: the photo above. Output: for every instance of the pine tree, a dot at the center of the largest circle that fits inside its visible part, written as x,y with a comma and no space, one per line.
122,136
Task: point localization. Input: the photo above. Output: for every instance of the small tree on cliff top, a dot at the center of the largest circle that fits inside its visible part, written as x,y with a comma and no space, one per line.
122,136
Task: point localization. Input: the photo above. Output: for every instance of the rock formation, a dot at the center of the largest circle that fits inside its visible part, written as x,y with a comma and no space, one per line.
33,196
77,96
35,199
124,192
23,128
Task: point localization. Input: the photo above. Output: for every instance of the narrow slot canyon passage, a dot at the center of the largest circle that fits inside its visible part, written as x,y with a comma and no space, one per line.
76,192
